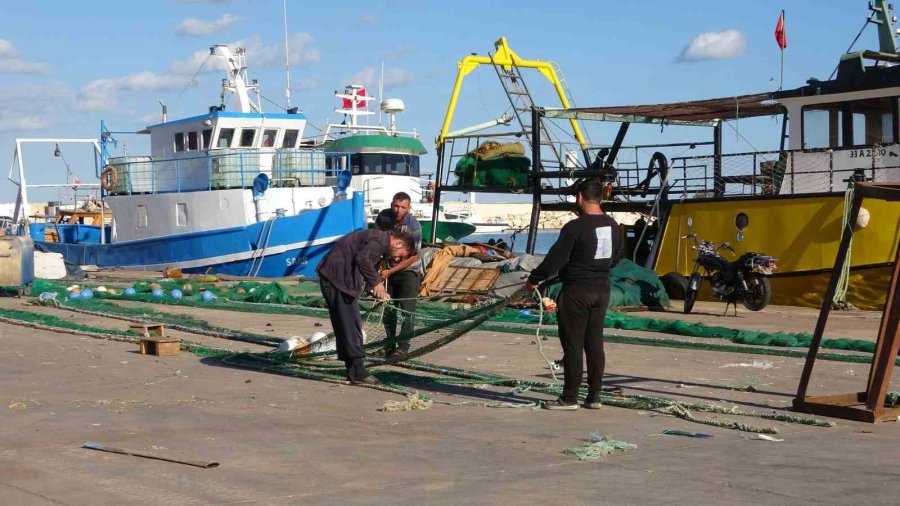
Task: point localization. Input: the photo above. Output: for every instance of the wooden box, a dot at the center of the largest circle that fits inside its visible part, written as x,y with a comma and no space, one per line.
160,346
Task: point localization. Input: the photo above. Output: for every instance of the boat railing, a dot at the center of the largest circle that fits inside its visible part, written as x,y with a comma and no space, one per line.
789,172
218,169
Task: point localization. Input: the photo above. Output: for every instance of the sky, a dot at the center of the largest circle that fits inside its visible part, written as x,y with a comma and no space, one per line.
66,65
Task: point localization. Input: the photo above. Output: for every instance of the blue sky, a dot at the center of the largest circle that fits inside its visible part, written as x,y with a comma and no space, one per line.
65,65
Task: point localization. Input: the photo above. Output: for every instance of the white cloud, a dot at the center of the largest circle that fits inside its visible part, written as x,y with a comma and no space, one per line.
8,66
369,77
11,61
104,94
715,46
306,83
199,27
259,55
369,18
8,50
47,104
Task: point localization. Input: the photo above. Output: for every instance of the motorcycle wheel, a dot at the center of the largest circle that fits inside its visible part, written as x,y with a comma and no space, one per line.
759,292
690,296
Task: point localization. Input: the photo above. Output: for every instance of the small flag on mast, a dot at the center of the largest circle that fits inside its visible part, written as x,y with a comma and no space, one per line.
780,33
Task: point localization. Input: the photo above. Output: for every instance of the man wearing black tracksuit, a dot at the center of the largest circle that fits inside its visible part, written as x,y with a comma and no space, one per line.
587,249
351,265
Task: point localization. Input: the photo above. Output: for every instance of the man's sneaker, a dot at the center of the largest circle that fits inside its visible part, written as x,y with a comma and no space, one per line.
592,404
560,405
367,380
396,357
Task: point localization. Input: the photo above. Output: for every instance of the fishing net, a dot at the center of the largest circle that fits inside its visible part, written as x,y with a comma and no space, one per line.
430,329
630,285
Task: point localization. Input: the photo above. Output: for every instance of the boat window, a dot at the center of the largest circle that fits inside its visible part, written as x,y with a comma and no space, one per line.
847,124
822,126
192,144
179,142
268,138
381,163
225,136
334,164
248,135
290,138
142,217
206,137
181,218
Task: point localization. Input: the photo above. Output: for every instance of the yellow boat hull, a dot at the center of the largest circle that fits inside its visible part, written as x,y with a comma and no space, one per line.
803,232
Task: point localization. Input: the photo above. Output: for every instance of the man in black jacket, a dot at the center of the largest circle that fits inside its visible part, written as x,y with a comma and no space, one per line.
351,265
587,249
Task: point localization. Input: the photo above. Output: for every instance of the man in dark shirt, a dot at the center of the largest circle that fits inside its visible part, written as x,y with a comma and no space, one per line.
587,248
351,265
403,278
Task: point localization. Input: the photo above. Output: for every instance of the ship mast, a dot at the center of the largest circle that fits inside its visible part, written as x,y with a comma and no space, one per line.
236,82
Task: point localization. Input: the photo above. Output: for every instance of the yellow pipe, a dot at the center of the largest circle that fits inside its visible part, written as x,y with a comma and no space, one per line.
507,58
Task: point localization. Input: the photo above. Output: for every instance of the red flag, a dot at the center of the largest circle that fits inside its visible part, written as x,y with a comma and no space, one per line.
780,33
348,103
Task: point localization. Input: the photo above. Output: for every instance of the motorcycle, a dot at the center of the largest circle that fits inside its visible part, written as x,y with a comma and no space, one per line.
744,279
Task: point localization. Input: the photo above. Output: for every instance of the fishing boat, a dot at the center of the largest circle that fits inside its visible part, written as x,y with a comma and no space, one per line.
229,191
383,161
791,202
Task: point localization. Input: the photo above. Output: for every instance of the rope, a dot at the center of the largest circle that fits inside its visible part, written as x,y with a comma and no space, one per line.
840,294
537,336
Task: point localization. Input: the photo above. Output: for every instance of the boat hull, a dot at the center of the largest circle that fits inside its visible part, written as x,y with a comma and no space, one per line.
802,231
288,246
447,231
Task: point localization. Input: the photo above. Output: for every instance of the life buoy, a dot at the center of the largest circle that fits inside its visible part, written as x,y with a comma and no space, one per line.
108,178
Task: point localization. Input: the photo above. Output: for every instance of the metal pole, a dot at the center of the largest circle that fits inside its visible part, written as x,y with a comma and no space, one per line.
438,177
535,180
718,184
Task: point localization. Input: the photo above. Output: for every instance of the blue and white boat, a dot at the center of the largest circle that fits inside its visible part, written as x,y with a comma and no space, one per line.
230,191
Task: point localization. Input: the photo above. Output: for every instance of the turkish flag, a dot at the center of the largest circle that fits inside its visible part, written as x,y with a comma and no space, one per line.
780,33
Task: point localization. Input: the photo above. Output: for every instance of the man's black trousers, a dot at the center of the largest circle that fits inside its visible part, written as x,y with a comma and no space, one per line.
344,312
581,312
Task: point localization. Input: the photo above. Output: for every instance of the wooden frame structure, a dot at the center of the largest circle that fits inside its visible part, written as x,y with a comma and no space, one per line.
868,406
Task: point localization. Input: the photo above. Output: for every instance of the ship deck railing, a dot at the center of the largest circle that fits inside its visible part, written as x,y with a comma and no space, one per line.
225,169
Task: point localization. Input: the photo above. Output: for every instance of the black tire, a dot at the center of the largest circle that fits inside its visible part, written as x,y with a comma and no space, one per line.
690,294
689,298
675,285
759,292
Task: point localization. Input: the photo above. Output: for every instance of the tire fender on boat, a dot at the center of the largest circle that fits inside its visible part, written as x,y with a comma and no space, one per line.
108,178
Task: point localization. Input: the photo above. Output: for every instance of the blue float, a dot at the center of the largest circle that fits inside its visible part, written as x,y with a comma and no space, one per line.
129,291
207,296
87,293
157,292
175,293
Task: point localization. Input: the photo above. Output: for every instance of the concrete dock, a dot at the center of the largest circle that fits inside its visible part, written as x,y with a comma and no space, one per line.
282,440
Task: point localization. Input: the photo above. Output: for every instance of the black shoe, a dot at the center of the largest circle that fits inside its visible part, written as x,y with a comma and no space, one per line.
367,380
396,357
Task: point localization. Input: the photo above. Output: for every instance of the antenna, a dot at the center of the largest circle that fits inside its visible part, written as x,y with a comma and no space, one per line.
381,91
287,61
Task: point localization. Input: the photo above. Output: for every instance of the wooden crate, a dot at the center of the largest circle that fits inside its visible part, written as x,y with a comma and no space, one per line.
149,329
462,280
160,346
